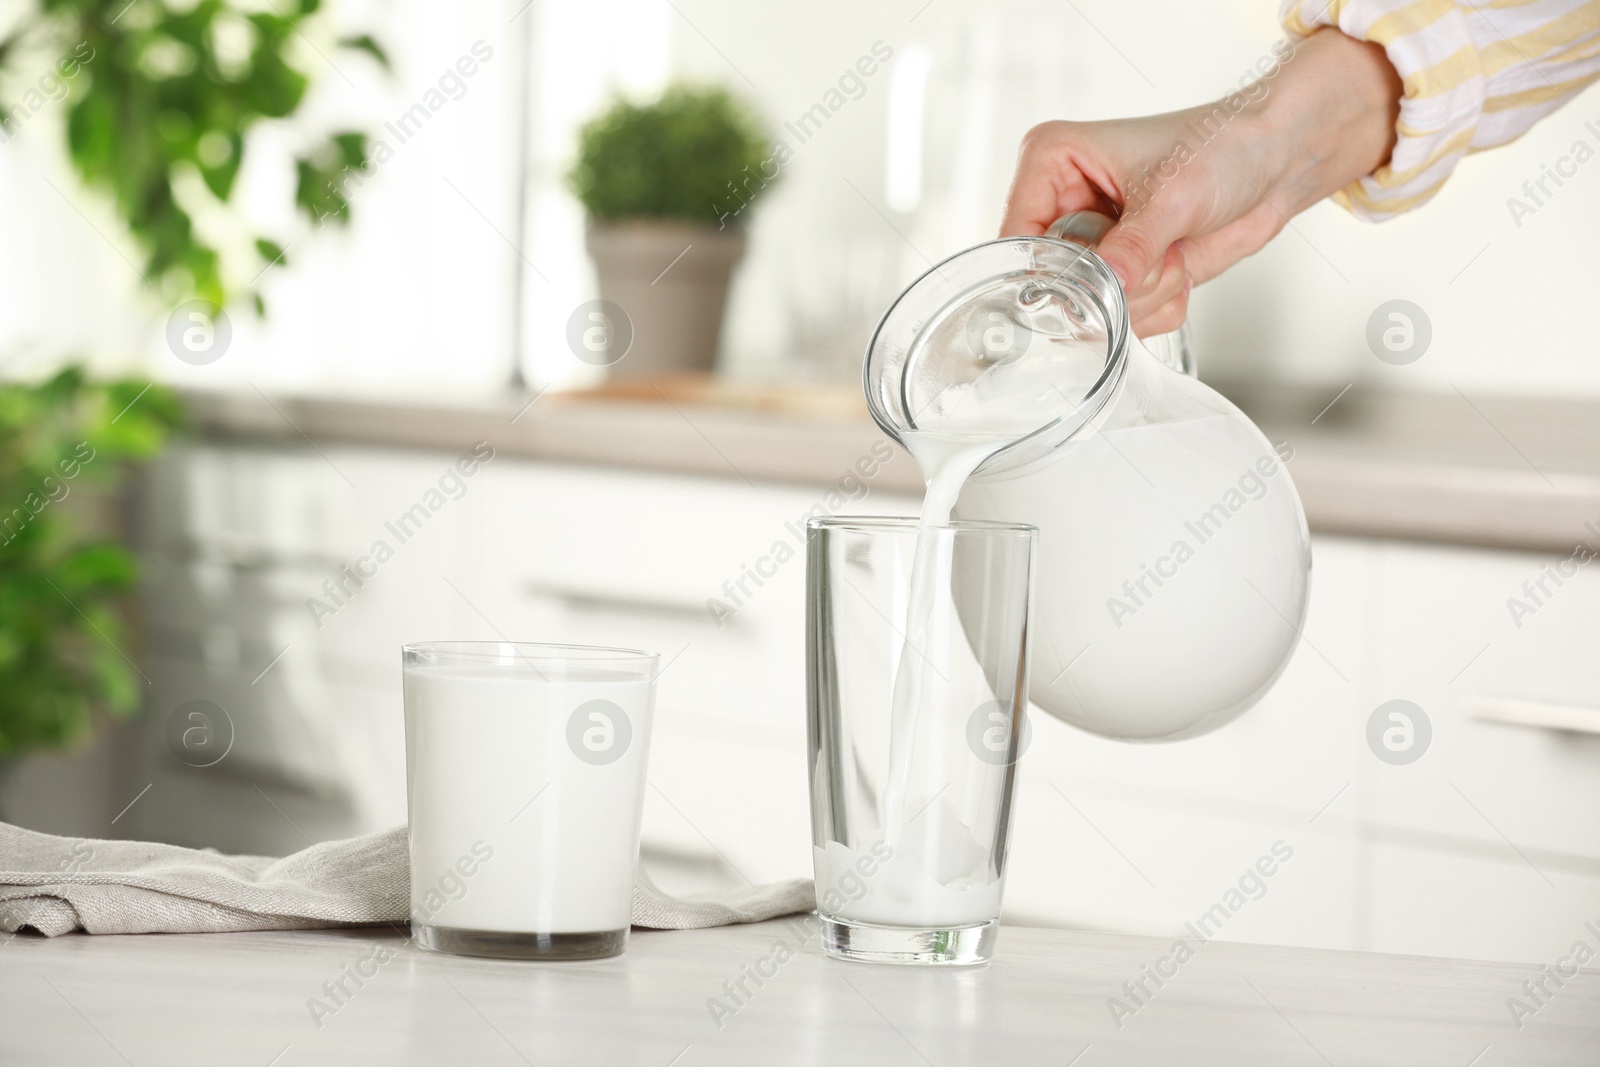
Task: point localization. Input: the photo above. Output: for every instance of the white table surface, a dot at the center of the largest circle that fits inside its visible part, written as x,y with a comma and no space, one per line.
243,999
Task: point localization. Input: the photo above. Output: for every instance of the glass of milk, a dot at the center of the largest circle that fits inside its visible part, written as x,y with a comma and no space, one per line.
917,641
525,772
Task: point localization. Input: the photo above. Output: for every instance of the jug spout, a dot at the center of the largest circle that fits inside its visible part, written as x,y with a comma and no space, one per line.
1020,341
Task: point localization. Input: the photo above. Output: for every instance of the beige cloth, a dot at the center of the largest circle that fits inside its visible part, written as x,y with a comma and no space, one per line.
56,885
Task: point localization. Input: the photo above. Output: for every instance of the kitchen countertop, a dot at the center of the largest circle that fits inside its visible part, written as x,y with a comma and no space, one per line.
1493,471
247,999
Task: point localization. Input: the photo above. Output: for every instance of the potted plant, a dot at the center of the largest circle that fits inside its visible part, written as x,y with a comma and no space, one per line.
63,641
159,94
667,186
153,94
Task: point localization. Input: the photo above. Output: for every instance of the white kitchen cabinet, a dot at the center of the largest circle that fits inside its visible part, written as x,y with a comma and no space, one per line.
1445,638
1083,857
1433,900
1446,855
528,552
1489,844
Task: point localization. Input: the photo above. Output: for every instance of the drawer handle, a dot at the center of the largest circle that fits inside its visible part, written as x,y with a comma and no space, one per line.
597,600
1544,715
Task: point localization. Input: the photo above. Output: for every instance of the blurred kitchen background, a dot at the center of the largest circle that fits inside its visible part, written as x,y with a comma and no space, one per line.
615,508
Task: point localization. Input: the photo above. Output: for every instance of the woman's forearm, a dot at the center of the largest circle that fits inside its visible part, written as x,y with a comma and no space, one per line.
1191,203
1328,120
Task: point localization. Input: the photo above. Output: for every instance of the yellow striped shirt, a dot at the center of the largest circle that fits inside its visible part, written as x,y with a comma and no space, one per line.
1477,73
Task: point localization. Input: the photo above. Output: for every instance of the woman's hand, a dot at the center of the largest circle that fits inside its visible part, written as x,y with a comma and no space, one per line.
1196,191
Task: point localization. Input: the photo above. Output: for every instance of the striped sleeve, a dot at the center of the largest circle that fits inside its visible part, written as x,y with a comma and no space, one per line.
1476,74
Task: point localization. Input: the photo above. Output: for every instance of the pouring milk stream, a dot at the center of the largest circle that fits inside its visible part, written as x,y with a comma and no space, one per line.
1174,560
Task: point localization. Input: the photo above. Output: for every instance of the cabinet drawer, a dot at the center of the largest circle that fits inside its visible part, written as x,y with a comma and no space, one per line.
709,573
1447,639
658,539
735,804
1127,859
1434,902
245,503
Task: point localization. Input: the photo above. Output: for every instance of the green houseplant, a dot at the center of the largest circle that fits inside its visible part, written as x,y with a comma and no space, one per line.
156,100
156,94
667,186
63,643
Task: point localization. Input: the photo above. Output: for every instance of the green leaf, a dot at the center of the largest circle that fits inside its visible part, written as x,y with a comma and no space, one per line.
91,133
100,565
9,45
219,176
319,191
63,386
351,148
271,252
119,685
366,43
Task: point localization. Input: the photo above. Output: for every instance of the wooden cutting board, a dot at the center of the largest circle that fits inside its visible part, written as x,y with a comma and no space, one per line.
707,390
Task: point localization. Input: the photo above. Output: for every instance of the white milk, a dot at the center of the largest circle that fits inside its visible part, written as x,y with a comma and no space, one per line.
482,745
1170,592
946,465
938,873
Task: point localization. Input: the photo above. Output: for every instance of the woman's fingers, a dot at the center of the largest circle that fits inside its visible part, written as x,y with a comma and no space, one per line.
1210,255
1164,319
1164,292
1057,173
1138,243
1036,187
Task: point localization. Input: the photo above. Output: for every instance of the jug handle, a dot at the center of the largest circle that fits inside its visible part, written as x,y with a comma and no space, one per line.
1086,229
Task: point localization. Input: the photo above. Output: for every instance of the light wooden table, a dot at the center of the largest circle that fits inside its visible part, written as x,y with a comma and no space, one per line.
245,999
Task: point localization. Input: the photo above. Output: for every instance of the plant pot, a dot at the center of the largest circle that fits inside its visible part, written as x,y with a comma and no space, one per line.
670,280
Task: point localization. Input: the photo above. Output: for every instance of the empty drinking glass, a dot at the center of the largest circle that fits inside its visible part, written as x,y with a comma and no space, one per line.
917,652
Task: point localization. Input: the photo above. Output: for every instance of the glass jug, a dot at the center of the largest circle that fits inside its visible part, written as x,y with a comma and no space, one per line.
1174,561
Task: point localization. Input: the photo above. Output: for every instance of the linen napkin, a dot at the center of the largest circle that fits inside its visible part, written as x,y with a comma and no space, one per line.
56,885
